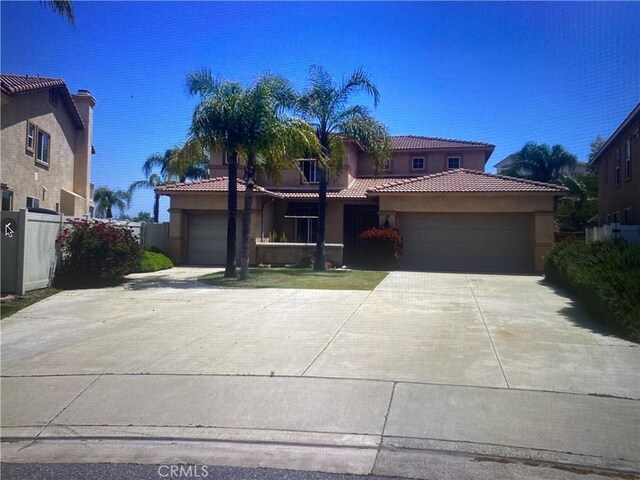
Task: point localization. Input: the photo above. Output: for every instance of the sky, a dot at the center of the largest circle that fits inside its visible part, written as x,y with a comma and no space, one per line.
501,73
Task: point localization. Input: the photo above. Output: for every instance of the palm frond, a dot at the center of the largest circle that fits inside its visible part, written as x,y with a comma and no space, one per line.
64,8
357,82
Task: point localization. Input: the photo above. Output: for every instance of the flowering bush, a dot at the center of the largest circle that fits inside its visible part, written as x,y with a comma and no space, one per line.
383,246
94,252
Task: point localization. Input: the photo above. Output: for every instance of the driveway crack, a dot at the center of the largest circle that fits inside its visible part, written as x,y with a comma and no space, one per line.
493,345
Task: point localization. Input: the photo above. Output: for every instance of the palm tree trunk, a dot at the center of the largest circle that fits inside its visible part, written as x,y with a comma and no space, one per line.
320,262
109,212
232,207
156,209
246,220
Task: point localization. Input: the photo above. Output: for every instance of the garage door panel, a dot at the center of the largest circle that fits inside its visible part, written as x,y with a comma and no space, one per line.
478,243
208,238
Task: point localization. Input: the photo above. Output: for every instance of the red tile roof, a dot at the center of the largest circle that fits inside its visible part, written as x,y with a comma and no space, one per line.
357,189
415,142
15,84
465,181
216,184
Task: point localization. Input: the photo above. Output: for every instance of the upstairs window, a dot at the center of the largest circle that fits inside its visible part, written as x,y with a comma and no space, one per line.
454,162
627,159
42,152
617,166
605,170
386,165
7,200
31,137
53,96
417,163
33,202
309,169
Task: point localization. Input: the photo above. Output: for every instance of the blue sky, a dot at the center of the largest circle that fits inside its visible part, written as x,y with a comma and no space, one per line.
503,73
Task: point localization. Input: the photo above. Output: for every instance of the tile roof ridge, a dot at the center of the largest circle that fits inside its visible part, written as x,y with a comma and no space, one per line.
443,139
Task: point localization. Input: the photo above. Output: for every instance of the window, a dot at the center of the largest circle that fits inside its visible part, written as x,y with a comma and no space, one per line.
306,230
31,137
627,160
53,96
33,202
626,216
636,134
454,162
225,157
7,200
309,170
605,170
417,163
44,140
386,165
617,166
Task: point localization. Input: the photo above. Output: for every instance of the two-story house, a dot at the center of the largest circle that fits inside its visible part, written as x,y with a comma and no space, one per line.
46,145
453,216
618,166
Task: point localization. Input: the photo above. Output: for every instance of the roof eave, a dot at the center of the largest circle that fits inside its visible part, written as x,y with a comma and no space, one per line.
607,144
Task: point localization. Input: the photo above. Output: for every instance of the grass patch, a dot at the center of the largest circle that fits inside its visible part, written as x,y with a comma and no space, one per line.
300,278
18,303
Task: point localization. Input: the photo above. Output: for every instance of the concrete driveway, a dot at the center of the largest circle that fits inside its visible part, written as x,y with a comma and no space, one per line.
489,365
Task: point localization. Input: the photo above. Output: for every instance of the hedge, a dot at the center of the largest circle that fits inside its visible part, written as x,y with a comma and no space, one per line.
382,247
606,277
153,261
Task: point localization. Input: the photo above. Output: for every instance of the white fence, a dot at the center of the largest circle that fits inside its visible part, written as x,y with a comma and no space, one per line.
29,252
630,233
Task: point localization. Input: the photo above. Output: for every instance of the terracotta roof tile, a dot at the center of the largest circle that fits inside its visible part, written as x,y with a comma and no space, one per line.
357,189
415,142
216,184
463,181
15,84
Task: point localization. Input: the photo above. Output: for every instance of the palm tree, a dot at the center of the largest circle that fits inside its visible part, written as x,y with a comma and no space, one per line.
217,124
541,163
177,163
106,199
249,123
578,207
325,105
63,8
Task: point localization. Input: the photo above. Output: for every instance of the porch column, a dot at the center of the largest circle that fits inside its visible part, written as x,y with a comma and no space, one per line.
177,236
543,237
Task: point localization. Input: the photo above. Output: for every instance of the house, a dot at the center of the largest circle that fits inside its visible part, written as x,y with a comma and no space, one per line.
618,166
453,216
46,145
504,166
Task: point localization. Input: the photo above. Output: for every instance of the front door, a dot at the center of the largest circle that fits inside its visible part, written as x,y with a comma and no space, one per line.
357,219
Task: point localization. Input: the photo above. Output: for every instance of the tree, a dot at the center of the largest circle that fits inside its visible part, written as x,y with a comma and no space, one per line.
217,124
595,146
250,122
143,217
106,200
177,163
64,8
541,163
578,207
326,106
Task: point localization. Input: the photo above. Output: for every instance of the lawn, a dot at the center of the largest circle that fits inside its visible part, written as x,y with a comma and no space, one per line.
9,308
300,278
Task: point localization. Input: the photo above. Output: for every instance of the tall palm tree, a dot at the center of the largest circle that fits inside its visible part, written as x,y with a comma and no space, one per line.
63,8
326,106
217,124
177,163
542,163
106,200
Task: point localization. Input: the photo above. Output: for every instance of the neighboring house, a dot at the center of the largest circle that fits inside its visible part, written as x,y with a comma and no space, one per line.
453,216
504,165
46,145
618,166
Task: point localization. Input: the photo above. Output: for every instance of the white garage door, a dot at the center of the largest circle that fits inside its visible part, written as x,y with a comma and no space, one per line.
208,238
468,243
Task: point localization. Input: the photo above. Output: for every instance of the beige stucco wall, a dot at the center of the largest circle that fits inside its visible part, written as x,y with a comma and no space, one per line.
435,161
22,174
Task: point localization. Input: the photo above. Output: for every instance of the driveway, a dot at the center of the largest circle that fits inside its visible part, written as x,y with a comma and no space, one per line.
496,361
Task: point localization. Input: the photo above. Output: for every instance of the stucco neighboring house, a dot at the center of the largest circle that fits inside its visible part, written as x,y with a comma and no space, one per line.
504,166
453,216
46,145
618,166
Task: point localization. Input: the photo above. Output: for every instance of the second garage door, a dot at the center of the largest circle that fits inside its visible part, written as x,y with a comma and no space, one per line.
468,243
208,238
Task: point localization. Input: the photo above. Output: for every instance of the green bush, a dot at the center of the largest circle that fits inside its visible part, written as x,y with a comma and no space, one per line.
153,261
95,253
382,247
606,277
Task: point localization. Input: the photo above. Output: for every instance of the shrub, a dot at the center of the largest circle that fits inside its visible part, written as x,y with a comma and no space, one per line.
606,277
95,252
383,247
309,261
153,261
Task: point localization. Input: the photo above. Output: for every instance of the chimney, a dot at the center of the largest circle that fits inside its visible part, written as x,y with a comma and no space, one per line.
84,102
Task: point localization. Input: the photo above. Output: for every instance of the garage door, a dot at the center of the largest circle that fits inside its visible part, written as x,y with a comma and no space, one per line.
468,243
208,238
